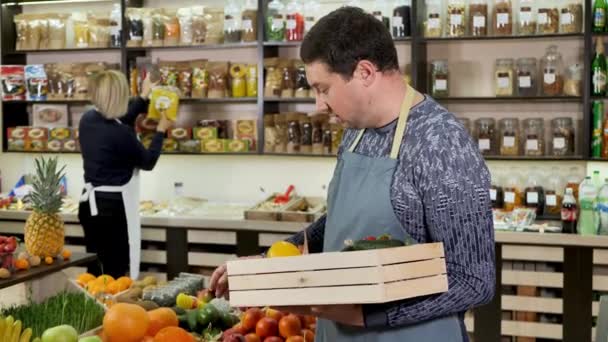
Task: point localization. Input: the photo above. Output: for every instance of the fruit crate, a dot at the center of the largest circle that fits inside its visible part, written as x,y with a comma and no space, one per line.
315,208
360,277
259,212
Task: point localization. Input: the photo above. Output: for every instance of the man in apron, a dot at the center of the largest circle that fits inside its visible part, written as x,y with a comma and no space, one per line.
406,167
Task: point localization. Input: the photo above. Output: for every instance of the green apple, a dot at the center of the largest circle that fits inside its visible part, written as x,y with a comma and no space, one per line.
90,339
62,333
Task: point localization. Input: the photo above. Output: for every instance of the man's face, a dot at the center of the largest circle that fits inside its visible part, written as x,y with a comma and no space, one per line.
344,99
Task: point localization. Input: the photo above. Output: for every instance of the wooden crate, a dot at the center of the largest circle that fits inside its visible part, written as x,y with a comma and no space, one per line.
361,277
268,215
317,207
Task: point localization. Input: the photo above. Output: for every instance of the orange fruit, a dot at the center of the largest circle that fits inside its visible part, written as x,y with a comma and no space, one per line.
125,282
309,336
160,319
113,287
66,254
251,318
84,278
282,249
273,339
173,334
126,323
290,325
106,279
48,260
267,327
252,338
275,314
22,264
295,339
147,339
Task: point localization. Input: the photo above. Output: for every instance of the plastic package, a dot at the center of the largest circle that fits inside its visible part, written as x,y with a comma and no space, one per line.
184,16
238,73
163,99
81,30
503,18
218,80
200,79
37,82
172,30
214,18
199,26
135,27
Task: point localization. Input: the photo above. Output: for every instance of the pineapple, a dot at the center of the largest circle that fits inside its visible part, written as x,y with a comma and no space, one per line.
44,230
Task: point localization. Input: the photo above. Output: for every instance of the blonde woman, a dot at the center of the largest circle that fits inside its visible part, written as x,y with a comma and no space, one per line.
113,156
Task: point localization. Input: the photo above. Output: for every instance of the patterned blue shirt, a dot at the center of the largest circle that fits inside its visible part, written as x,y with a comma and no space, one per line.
440,193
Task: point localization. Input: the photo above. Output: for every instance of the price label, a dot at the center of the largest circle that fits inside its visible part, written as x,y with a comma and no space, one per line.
559,143
543,18
551,200
441,84
479,22
247,24
508,141
510,197
532,145
532,197
434,23
525,16
484,144
549,78
291,24
277,24
397,21
566,18
456,19
503,83
525,82
502,19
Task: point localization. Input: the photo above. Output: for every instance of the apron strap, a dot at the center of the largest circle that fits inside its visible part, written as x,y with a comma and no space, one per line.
401,124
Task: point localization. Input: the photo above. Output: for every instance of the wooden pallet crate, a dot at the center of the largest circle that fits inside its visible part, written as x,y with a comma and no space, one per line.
361,277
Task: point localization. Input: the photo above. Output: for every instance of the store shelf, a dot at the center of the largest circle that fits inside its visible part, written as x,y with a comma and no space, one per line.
49,102
559,99
494,38
291,44
21,52
289,100
539,158
599,98
222,100
197,47
300,155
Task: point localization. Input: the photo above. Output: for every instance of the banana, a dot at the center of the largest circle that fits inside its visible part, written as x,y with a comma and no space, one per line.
2,324
8,329
16,332
26,336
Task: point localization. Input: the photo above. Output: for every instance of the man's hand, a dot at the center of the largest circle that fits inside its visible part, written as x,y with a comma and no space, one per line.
347,314
219,279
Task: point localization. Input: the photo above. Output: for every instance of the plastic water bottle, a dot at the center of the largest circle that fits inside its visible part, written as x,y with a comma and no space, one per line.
602,207
587,222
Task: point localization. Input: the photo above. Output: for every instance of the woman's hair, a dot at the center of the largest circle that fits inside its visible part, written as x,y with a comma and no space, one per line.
109,92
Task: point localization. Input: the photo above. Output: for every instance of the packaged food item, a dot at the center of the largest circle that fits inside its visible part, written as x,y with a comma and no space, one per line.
33,28
439,78
302,88
504,76
288,83
62,81
275,22
252,80
180,133
548,17
553,79
172,29
535,194
205,133
485,129
135,27
238,83
70,145
294,135
158,27
318,121
170,145
280,122
184,16
270,134
336,137
163,99
16,145
563,141
571,17
21,32
232,22
272,86
478,18
249,25
534,131
220,125
169,75
218,80
50,115
190,146
527,83
99,31
456,26
81,30
13,82
44,32
200,79
503,18
81,81
148,22
54,145
35,145
199,26
37,133
526,24
17,132
116,26
37,82
214,17
237,146
213,146
294,23
573,85
247,130
184,79
433,24
509,137
306,131
400,22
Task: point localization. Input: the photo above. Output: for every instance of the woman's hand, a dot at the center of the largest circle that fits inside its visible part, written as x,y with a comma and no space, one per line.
146,87
164,124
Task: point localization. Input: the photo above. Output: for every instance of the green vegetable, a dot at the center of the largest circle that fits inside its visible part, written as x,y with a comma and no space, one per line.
212,312
363,245
228,319
192,316
203,318
65,308
178,311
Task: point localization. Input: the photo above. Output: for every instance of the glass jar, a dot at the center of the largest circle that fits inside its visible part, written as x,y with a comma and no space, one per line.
554,194
504,77
526,77
547,17
275,22
552,67
232,22
294,30
503,18
485,129
306,129
526,23
509,137
512,190
439,78
433,23
249,22
456,26
294,133
573,179
534,194
534,137
400,21
496,191
478,18
562,137
571,17
573,83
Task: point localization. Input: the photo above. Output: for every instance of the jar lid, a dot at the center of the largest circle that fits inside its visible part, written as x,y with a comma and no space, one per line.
509,122
534,122
505,61
563,121
526,60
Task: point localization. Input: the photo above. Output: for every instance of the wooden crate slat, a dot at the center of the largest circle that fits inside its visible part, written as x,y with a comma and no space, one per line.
378,293
337,260
349,276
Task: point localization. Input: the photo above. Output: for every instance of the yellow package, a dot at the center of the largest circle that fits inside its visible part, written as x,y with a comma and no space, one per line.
163,100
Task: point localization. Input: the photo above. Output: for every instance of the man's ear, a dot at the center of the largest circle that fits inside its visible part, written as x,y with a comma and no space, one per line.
366,72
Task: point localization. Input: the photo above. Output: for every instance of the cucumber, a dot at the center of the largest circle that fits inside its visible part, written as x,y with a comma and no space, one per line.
364,245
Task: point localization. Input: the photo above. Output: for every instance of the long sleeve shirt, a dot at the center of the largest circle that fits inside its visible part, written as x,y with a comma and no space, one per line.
440,193
111,150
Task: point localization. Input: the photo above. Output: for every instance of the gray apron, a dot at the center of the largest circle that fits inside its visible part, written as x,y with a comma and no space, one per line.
359,205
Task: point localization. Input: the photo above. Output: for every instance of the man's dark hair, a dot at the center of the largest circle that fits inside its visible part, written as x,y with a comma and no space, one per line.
346,36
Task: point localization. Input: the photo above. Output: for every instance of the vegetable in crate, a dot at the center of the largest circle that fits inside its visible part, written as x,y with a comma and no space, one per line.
380,242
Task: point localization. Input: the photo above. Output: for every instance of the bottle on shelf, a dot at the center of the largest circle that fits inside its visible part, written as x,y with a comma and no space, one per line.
602,208
294,31
587,222
599,15
275,22
115,26
598,70
513,197
598,123
569,213
496,192
597,181
572,181
554,195
534,194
